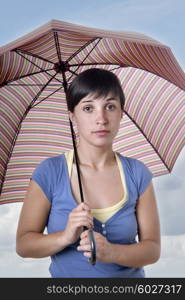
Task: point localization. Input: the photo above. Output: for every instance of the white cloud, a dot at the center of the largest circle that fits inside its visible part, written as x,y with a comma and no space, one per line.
173,246
172,261
170,191
11,265
167,268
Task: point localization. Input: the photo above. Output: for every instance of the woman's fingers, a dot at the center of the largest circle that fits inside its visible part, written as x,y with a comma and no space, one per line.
84,242
79,217
81,221
75,218
82,206
84,234
78,212
86,247
82,214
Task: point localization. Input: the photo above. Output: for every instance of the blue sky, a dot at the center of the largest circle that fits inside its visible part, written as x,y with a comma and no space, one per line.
163,20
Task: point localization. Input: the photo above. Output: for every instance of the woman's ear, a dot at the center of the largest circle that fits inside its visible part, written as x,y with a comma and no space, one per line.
72,117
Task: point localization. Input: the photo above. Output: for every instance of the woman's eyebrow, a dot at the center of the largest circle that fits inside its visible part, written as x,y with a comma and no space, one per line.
109,99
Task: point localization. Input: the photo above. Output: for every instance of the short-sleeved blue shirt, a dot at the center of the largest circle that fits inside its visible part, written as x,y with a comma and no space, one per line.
122,228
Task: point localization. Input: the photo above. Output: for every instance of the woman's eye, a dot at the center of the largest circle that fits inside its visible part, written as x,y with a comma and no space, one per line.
88,108
111,105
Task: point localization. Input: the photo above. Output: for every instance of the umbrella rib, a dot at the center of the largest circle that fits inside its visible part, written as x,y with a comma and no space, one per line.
57,45
74,73
37,66
92,64
30,84
21,77
33,55
156,151
21,54
47,97
40,92
89,53
116,68
79,65
83,47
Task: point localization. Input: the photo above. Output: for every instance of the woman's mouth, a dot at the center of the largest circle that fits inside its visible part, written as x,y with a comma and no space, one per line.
101,132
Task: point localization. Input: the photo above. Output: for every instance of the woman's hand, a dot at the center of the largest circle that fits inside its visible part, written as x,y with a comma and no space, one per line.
103,246
79,217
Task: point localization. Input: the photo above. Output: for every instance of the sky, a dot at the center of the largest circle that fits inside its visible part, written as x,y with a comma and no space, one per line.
161,20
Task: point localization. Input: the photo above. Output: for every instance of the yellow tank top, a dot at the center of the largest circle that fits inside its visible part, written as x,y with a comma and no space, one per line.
102,214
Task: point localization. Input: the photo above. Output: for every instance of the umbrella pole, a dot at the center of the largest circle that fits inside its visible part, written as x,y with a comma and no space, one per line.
92,259
73,139
76,159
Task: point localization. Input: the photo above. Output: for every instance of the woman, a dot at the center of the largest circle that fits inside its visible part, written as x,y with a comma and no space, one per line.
119,204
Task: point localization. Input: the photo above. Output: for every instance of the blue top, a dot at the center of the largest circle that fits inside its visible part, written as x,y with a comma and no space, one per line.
52,176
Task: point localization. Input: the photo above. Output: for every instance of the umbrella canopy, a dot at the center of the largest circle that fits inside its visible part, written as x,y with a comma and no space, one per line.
34,71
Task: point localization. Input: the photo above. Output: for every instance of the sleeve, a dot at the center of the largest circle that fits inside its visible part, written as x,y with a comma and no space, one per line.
143,176
43,176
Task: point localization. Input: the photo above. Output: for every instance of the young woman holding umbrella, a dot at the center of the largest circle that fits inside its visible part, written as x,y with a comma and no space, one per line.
119,204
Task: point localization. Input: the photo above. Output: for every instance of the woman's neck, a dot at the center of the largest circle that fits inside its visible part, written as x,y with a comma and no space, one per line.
96,158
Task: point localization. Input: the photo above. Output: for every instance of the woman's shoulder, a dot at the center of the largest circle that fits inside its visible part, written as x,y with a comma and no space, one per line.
53,160
49,165
130,162
47,173
140,174
57,159
135,167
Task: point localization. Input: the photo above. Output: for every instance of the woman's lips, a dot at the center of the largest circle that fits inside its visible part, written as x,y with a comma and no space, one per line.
101,132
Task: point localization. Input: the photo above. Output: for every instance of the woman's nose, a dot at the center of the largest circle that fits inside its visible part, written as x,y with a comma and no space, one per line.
101,117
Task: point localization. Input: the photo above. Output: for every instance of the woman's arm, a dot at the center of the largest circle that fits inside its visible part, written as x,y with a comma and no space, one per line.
147,250
30,239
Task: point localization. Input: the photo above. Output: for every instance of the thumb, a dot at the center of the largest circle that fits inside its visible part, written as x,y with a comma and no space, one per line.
83,206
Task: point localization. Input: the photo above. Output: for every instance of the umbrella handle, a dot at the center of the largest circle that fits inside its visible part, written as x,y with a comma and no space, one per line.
92,259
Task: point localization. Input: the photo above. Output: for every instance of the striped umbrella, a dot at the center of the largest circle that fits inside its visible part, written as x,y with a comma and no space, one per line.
34,117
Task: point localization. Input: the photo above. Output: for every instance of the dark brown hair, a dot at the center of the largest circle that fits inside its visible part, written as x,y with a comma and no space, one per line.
98,81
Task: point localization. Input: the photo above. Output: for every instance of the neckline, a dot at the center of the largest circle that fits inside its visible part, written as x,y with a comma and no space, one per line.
124,187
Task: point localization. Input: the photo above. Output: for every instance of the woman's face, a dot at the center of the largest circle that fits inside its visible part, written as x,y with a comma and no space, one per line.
97,113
